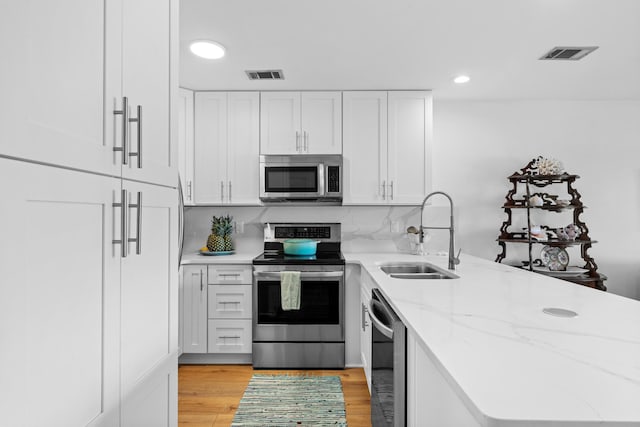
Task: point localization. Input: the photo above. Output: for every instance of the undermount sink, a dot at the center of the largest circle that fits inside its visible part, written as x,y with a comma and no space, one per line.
416,270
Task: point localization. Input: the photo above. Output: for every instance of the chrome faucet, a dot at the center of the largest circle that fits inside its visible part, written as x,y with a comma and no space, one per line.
453,259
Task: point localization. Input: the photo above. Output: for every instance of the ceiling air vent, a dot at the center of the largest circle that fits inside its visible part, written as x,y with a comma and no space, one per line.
265,75
568,53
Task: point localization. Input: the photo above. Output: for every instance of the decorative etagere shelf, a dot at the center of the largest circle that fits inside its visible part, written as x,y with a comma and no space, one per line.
540,187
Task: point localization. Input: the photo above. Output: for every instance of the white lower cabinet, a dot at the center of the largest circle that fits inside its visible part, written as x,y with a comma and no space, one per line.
431,401
367,284
88,329
216,313
194,309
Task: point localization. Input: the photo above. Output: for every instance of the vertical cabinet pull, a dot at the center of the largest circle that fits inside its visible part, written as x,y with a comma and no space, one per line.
189,190
124,240
364,312
138,121
306,142
297,141
201,284
391,190
125,130
384,190
124,232
229,191
221,191
126,145
138,238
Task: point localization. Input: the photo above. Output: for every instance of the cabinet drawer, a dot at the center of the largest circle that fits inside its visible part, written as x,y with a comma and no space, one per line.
229,301
229,336
229,274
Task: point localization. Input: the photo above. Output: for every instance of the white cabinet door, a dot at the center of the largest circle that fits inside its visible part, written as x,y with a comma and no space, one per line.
210,152
321,122
243,148
409,144
59,298
280,123
365,335
149,80
194,309
365,147
55,56
226,147
149,294
185,143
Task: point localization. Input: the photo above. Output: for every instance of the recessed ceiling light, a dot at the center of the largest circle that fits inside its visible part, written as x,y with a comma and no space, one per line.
207,49
461,79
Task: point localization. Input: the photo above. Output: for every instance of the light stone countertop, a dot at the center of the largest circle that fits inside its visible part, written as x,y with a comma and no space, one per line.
240,257
510,363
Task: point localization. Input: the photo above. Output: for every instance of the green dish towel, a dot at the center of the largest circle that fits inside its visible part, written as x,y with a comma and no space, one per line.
290,290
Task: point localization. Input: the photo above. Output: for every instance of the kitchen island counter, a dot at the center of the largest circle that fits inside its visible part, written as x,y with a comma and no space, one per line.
506,360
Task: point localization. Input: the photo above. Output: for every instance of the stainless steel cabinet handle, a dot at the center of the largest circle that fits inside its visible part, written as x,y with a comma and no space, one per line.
138,120
306,141
125,129
189,186
201,284
297,141
384,190
391,190
229,191
221,191
124,232
364,312
138,239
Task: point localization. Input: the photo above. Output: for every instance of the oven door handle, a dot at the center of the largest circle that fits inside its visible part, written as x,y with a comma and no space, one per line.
384,329
303,274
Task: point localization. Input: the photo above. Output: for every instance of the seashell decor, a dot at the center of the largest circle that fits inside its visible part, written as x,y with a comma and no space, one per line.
547,166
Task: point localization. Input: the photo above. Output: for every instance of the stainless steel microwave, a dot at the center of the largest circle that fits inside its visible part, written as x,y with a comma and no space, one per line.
302,179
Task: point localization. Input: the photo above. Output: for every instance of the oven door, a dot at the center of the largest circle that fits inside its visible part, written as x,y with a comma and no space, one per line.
321,314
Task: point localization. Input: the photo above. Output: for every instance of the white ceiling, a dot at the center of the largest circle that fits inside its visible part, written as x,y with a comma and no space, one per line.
418,44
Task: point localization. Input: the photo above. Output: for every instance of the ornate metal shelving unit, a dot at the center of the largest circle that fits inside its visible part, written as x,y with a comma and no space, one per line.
533,183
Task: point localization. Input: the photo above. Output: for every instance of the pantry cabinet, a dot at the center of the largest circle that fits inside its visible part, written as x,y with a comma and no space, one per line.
301,123
89,243
386,147
226,148
70,67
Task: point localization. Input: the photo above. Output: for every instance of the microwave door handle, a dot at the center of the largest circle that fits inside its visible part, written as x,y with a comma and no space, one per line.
321,178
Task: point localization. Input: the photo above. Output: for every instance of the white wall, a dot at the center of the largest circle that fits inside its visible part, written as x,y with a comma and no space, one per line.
476,146
479,144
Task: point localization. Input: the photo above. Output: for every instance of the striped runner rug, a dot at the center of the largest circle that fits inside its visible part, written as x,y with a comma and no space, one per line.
284,400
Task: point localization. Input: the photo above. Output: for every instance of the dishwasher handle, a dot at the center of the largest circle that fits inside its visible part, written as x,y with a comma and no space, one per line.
375,305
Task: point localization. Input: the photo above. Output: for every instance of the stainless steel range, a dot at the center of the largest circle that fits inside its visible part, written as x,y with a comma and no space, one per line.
313,335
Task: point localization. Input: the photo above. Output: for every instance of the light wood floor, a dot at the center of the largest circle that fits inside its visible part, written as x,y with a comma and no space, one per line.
208,395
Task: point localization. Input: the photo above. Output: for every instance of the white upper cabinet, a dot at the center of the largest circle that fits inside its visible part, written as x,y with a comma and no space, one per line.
226,149
301,123
149,82
66,74
387,139
185,143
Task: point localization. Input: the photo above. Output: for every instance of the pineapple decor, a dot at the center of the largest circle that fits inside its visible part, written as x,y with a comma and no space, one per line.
220,238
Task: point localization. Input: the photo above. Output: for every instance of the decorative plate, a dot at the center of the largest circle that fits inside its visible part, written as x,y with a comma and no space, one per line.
556,259
570,271
217,253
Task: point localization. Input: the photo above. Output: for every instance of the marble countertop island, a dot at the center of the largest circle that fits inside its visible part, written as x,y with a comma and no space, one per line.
509,362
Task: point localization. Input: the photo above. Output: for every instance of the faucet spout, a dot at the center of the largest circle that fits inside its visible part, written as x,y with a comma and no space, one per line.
453,259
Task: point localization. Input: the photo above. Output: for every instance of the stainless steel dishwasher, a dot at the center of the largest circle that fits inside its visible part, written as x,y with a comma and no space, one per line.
388,365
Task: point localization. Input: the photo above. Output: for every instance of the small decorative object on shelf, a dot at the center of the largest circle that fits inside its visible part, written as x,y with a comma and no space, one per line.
529,194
